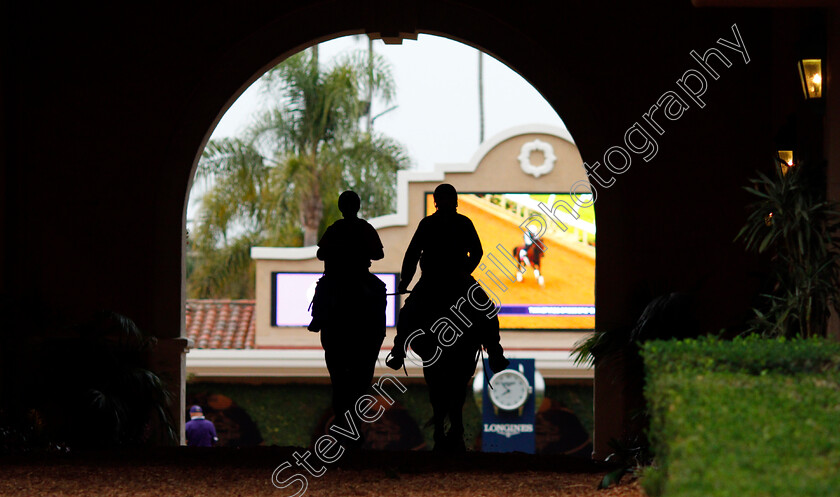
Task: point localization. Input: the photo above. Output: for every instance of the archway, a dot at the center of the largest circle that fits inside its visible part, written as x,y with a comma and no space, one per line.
598,103
144,88
536,306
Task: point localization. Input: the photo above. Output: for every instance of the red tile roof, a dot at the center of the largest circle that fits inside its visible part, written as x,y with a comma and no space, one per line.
221,324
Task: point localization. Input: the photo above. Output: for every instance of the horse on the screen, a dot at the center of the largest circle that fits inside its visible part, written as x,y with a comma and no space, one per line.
526,255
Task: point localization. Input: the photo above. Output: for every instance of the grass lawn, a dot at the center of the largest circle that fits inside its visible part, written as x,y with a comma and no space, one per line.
743,419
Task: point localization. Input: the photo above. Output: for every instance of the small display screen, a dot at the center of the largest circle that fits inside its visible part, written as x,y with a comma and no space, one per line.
292,293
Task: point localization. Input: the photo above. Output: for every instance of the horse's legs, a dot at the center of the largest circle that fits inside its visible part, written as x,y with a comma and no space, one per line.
457,396
340,379
440,402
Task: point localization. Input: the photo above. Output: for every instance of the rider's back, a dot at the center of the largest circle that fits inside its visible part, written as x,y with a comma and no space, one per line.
348,246
448,243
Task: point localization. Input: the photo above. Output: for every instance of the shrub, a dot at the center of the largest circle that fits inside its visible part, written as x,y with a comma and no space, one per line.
792,222
751,355
99,389
747,417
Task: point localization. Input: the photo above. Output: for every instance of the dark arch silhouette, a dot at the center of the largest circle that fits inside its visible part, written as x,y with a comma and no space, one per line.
599,72
263,50
133,77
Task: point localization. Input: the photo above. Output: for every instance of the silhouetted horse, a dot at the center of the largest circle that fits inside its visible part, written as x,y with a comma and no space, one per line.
349,305
448,317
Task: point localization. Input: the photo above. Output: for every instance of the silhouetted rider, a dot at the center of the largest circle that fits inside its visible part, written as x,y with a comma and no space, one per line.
445,243
448,249
349,305
349,244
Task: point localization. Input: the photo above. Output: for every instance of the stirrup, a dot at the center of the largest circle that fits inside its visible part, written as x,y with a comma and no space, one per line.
389,356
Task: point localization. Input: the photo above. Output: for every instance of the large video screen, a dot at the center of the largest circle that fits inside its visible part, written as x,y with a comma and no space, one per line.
556,291
292,293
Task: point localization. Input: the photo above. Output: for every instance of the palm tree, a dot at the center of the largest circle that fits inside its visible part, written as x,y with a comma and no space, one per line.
277,183
246,206
315,134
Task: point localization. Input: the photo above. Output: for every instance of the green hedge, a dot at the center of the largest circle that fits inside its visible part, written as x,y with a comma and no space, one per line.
287,414
749,417
751,355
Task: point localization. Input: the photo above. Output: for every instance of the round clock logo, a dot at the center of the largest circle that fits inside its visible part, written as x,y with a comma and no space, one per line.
510,389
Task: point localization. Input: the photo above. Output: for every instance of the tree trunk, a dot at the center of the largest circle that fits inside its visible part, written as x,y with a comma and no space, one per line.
310,236
312,208
311,213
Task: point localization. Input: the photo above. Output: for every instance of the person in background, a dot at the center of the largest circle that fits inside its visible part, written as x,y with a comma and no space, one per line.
200,432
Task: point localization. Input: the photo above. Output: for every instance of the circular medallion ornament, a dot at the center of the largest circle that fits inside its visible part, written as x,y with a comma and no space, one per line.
525,158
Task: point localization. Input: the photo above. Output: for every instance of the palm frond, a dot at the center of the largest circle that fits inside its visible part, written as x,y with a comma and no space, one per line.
278,182
377,70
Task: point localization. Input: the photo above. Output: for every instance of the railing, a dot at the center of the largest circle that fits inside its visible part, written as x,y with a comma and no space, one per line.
309,363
